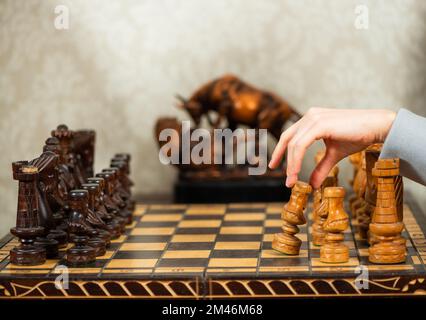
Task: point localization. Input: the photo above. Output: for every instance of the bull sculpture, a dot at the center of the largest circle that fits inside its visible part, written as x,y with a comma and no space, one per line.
240,104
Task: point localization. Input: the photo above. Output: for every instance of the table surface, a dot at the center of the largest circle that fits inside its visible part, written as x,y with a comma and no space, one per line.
217,251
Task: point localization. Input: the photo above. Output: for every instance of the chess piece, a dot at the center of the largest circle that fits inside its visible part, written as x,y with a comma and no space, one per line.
47,184
124,189
110,201
317,230
71,159
389,246
57,188
113,224
94,217
84,148
66,167
127,158
95,240
126,181
366,208
359,186
292,214
27,224
355,159
81,253
334,250
119,195
319,214
399,195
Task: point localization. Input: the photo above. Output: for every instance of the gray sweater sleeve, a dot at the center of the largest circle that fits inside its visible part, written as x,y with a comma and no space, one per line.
407,141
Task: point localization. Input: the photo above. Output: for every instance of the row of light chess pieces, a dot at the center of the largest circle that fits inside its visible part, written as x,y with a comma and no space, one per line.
62,202
377,206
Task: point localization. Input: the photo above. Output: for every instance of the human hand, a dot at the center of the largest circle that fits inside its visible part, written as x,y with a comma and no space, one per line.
344,132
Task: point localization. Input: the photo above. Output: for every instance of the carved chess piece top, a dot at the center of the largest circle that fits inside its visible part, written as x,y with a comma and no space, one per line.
293,210
333,249
292,214
337,218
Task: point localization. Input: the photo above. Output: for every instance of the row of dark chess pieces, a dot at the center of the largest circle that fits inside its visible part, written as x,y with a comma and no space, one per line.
377,206
63,203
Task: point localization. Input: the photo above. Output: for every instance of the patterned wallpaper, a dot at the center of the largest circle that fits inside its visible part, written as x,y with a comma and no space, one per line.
118,66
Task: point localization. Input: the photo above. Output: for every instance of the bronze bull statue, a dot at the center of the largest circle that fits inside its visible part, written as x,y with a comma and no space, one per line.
240,104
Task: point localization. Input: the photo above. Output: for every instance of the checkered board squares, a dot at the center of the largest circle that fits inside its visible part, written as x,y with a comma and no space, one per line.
229,241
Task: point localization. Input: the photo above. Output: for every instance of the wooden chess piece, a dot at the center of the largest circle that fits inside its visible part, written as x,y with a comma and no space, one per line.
127,158
66,167
113,224
119,195
399,195
84,147
366,208
71,159
61,182
317,231
95,240
124,189
48,196
112,203
94,217
81,253
389,246
334,250
358,206
320,212
109,203
27,224
292,214
46,165
125,181
359,186
355,159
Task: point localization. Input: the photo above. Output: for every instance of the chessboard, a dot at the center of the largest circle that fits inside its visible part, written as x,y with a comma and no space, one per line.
218,251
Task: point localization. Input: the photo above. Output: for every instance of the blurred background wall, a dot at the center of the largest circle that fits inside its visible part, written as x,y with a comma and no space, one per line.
117,68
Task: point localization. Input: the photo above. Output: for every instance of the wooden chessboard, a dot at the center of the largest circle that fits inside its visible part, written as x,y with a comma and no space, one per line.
217,251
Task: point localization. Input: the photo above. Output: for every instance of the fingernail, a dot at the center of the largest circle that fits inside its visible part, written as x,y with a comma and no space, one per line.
287,182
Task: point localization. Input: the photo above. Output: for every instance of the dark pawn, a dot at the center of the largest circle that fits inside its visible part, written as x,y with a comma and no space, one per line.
126,157
95,240
27,225
124,182
114,224
94,216
109,201
118,195
80,254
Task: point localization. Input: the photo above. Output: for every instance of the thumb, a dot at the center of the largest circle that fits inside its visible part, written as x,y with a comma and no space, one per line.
323,168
